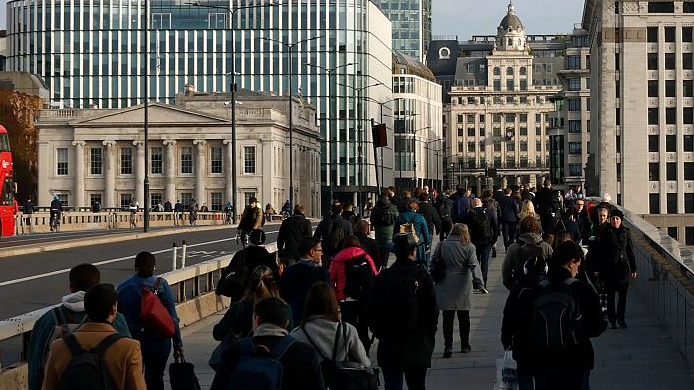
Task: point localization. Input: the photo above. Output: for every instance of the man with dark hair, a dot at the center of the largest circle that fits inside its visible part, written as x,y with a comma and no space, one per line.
509,218
155,351
367,243
529,245
298,279
82,277
403,314
122,357
483,226
431,216
332,232
292,230
349,214
383,219
251,219
300,367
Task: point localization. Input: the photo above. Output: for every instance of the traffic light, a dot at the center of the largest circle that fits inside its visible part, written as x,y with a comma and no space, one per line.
380,135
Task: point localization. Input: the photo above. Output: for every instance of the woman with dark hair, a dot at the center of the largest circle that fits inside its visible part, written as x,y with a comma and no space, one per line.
353,294
321,325
239,317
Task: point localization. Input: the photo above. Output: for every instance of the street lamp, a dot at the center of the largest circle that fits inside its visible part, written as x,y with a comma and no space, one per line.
290,46
414,156
232,72
426,146
381,104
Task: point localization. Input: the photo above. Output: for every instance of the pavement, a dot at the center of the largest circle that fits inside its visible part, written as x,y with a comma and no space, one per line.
642,357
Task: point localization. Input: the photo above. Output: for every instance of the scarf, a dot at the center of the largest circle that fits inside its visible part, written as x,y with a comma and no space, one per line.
268,329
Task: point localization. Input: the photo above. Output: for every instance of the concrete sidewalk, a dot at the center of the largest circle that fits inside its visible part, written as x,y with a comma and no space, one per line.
640,357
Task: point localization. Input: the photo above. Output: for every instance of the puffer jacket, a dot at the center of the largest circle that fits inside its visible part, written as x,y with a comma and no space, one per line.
338,274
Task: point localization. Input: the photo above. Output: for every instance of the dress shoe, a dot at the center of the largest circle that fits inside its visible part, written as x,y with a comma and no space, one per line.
448,352
623,324
466,348
613,325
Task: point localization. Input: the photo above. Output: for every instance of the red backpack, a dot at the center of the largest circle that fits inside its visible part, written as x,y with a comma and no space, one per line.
154,315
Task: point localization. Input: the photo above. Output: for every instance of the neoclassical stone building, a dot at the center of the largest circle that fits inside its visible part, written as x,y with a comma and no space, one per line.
87,155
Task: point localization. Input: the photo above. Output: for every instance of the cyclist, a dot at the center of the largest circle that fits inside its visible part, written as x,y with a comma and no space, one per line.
251,219
193,210
133,207
229,212
286,210
56,211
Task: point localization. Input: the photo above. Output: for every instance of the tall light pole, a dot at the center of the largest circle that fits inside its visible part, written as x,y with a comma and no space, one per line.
290,47
329,72
145,201
232,72
414,153
381,104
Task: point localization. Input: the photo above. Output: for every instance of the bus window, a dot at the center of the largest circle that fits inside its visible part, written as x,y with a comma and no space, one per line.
6,198
4,142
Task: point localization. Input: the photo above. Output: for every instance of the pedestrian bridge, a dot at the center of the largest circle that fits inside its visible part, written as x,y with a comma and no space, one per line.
655,352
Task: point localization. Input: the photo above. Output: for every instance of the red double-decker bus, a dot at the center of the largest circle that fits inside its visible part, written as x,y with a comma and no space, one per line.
7,204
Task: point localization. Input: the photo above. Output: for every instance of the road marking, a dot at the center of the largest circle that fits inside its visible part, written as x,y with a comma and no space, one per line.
104,262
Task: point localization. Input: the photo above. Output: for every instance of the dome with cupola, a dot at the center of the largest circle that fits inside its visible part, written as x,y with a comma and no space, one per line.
511,32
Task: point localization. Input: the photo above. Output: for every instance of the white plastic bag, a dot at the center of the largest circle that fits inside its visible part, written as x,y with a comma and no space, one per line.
506,376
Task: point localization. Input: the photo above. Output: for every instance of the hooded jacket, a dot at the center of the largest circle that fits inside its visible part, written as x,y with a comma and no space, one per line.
384,233
513,259
338,273
291,232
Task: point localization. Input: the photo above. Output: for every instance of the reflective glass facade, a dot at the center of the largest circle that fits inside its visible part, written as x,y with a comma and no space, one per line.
411,25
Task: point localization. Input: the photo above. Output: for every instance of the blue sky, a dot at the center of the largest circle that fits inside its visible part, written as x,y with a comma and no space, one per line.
465,18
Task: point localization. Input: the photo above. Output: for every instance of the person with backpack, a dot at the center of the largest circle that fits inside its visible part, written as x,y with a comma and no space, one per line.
292,230
95,356
444,206
562,353
361,231
453,293
332,232
403,315
488,202
431,216
298,279
461,205
382,219
349,214
483,228
528,246
271,359
251,219
352,272
63,320
333,340
412,222
155,348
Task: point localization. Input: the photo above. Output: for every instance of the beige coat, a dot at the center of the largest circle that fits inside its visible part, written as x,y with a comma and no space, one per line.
123,358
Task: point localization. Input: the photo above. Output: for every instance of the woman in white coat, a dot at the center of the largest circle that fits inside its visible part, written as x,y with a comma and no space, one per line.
453,293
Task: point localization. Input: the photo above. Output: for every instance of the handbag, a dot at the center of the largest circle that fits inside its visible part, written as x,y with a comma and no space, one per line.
182,375
506,374
345,375
155,317
438,267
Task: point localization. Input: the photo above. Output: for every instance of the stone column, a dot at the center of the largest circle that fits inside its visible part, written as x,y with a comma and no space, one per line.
170,170
200,172
266,193
110,174
228,174
140,171
79,174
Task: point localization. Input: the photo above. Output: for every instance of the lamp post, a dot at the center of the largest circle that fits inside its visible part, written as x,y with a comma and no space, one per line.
290,47
329,72
232,72
429,150
381,104
145,201
414,156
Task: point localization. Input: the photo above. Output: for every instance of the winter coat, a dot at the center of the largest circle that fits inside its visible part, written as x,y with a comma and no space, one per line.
384,233
322,233
509,210
351,216
619,262
337,268
444,205
251,219
569,226
321,335
420,227
431,216
477,236
513,259
238,320
297,280
455,290
413,347
370,246
515,328
292,230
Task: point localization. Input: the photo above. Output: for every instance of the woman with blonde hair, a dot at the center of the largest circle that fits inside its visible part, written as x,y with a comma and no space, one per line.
528,210
453,293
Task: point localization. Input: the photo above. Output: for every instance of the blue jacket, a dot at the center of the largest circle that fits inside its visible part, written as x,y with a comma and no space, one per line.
129,302
42,331
420,227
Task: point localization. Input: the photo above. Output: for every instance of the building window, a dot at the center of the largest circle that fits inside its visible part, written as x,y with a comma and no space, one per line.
688,88
689,230
653,116
460,118
509,71
689,171
126,161
574,126
94,197
157,160
574,84
248,195
216,159
653,172
670,116
671,143
665,7
186,197
497,71
669,61
216,201
249,160
510,146
652,34
497,85
670,89
523,71
689,202
95,161
652,88
574,104
155,198
672,232
687,61
654,203
671,203
187,159
653,143
61,157
574,169
574,148
671,171
669,34
652,61
574,62
689,143
471,147
524,130
687,31
125,200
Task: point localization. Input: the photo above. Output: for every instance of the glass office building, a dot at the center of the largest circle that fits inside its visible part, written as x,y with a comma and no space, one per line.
411,25
92,53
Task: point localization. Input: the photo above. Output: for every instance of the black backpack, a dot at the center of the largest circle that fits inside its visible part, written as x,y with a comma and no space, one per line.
481,227
87,370
556,316
527,253
358,275
336,235
399,299
445,210
385,217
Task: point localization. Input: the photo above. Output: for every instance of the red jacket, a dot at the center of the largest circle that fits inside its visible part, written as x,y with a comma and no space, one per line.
337,268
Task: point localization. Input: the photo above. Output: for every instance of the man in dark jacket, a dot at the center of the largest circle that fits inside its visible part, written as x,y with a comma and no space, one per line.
349,214
482,233
383,219
291,232
429,213
461,205
332,232
444,205
368,244
167,206
406,332
569,368
301,369
509,217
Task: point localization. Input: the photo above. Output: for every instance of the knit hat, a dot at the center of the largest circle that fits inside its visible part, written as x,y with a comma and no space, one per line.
617,213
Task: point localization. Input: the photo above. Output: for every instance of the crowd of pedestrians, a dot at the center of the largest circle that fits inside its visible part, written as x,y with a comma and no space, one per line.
331,293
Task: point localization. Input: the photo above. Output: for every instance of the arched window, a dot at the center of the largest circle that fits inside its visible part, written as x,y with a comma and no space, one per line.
497,71
523,71
509,71
510,41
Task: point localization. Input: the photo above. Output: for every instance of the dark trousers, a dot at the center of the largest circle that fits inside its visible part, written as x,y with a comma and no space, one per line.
155,354
354,312
562,378
384,253
621,302
525,377
483,252
509,230
446,227
463,327
414,375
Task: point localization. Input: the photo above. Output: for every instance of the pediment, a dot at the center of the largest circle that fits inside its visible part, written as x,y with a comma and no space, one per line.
159,114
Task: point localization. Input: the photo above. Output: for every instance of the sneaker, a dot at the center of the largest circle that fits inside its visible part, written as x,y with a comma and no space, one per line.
493,252
466,349
447,353
622,324
613,325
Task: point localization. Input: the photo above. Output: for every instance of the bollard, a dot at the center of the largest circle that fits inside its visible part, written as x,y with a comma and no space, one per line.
174,253
183,254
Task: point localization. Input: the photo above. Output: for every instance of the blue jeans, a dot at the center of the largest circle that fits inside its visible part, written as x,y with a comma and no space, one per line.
155,354
562,378
414,375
